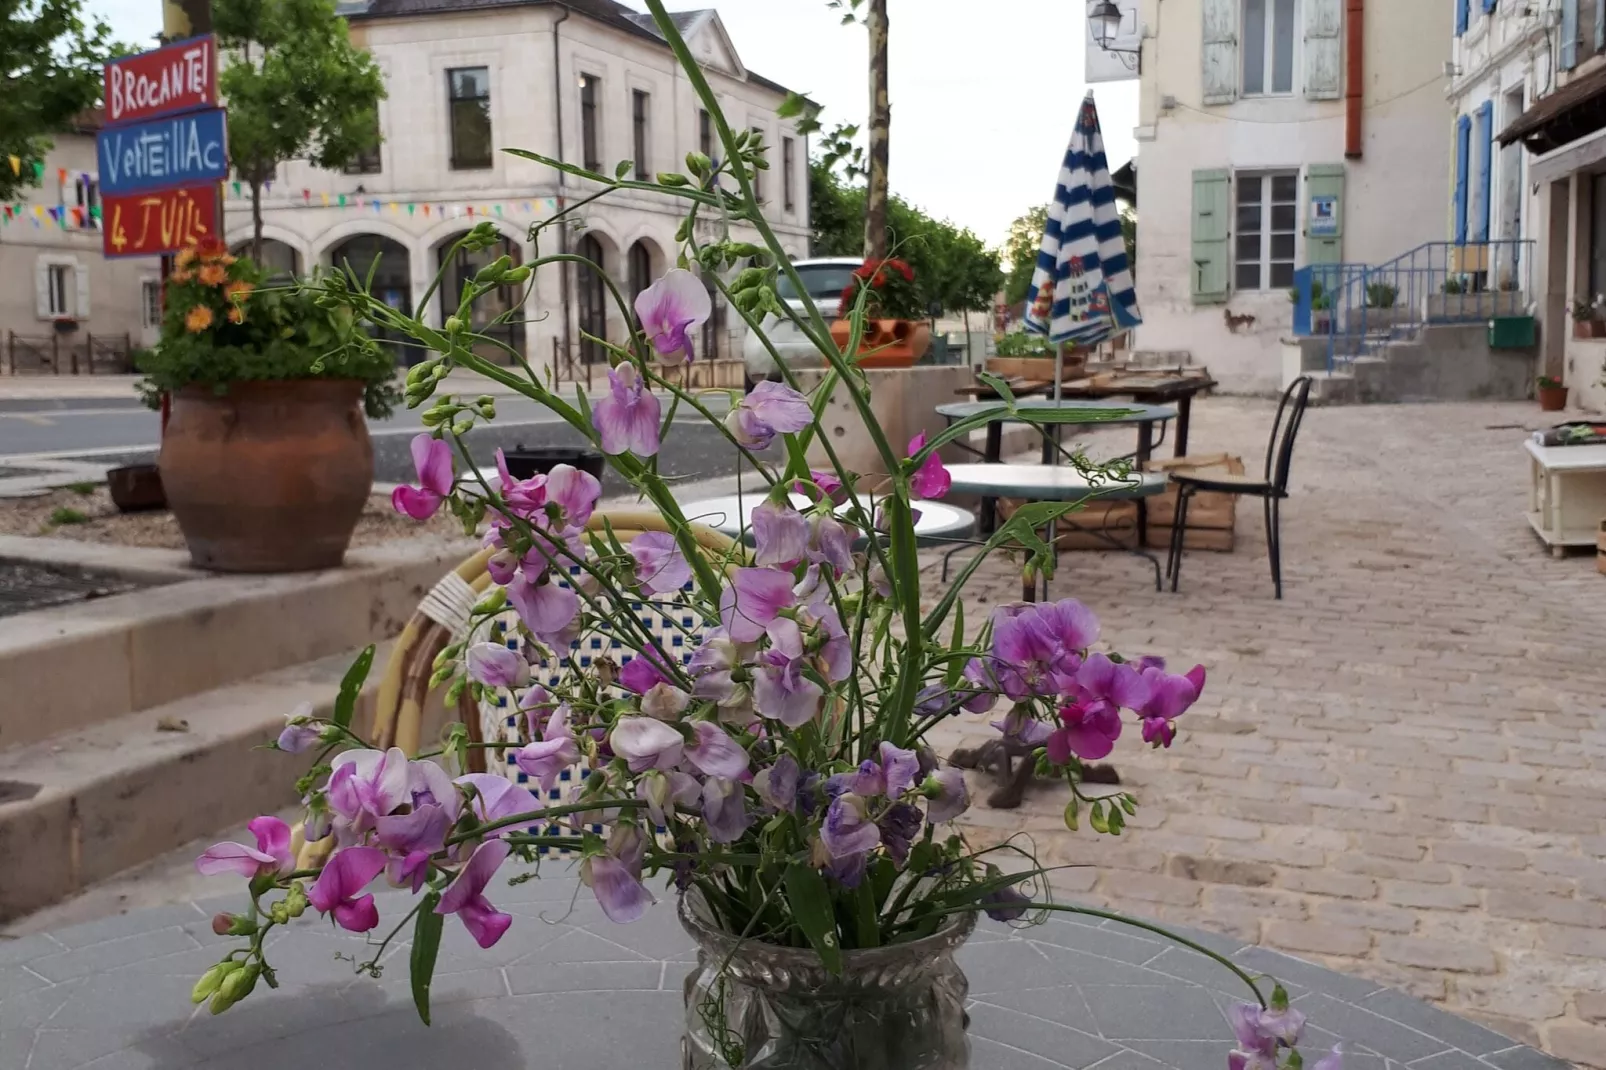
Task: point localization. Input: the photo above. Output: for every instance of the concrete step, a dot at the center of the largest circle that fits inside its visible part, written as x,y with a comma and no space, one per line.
69,668
87,804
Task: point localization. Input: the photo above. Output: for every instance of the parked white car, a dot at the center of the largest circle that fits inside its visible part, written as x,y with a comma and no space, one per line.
824,279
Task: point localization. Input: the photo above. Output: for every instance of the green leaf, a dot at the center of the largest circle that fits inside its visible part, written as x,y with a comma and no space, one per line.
426,945
956,666
811,906
998,385
623,169
793,106
865,923
351,687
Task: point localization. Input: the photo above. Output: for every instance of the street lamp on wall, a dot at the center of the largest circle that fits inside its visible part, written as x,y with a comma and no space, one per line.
1104,25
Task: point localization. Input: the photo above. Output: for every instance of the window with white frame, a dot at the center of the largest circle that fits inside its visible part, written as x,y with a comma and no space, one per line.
1269,33
1267,226
150,303
60,284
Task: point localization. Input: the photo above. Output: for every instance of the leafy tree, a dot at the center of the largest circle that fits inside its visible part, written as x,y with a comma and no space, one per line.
296,88
878,199
1020,252
52,61
836,212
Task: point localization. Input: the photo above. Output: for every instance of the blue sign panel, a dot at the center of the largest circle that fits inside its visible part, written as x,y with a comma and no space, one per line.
182,150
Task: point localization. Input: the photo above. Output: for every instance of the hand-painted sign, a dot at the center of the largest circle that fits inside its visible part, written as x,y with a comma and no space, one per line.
159,221
179,77
182,150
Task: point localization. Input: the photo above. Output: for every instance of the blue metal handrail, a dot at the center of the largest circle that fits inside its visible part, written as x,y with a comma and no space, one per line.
1369,305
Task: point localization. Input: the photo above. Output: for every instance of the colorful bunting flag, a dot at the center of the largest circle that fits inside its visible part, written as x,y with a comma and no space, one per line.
471,211
426,211
61,175
16,164
39,170
306,196
342,200
498,208
325,197
236,186
411,206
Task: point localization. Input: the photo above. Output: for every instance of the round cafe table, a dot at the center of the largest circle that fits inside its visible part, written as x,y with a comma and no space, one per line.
566,989
733,515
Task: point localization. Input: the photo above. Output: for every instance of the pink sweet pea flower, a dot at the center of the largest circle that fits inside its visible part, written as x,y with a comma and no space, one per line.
271,854
771,409
627,418
553,753
465,896
523,497
646,743
367,785
664,793
497,798
1088,730
547,609
780,690
670,309
339,887
715,753
947,796
752,601
931,480
494,665
848,829
661,567
432,457
571,497
1333,1060
725,815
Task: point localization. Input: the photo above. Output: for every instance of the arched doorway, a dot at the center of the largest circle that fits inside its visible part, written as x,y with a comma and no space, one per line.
713,327
278,261
392,282
640,268
592,299
495,314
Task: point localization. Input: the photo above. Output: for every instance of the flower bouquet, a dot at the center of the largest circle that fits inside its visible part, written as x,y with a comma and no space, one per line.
777,778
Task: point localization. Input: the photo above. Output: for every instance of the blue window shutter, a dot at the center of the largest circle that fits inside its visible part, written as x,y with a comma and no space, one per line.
1463,143
1485,142
1463,10
1569,34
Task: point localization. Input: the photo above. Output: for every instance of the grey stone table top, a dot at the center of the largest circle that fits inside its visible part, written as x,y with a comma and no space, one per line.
1133,413
567,990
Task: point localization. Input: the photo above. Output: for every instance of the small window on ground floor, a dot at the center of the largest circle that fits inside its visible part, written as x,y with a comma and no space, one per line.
1266,230
150,303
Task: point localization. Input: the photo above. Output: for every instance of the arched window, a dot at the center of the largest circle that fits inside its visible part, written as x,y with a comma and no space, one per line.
592,298
392,281
640,268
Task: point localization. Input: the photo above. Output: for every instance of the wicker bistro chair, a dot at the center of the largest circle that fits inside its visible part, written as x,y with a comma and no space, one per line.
442,617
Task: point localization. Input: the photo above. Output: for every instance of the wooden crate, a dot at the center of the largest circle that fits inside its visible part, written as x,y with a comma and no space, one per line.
1118,521
1600,549
1212,516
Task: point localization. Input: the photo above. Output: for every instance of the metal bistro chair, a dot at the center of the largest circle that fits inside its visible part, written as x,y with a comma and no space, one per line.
442,617
1271,488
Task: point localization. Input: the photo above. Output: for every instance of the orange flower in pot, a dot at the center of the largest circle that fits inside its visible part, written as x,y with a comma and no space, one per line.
895,330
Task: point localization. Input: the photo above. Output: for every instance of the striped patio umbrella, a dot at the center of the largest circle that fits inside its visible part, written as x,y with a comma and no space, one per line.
1082,291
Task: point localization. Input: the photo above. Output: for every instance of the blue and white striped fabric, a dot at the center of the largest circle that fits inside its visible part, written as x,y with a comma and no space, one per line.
1082,290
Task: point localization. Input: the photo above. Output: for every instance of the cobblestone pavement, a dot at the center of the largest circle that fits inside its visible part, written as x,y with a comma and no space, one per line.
1399,771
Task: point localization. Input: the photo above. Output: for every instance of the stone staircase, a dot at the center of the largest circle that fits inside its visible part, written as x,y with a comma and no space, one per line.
134,723
1438,362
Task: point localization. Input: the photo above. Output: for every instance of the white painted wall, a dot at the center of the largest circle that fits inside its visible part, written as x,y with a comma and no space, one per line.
1395,196
516,43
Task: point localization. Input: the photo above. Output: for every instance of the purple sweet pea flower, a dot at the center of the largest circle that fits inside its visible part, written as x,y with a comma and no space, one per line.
432,458
752,601
571,497
556,751
1333,1060
724,810
931,480
1087,729
494,665
899,826
1006,904
780,535
1071,623
771,409
641,673
867,781
547,609
366,785
825,485
777,784
1025,653
465,896
627,418
614,876
848,829
947,796
715,753
1019,724
848,871
270,855
830,544
1170,696
339,887
300,733
670,309
646,743
1119,684
523,497
902,766
411,839
1284,1024
836,656
660,565
780,690
497,798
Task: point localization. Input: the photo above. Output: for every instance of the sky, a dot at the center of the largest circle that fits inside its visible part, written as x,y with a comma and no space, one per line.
983,94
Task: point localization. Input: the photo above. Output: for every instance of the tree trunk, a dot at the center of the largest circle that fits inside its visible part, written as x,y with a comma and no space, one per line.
875,201
256,221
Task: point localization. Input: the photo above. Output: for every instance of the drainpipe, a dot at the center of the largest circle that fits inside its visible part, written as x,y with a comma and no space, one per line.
563,229
1354,47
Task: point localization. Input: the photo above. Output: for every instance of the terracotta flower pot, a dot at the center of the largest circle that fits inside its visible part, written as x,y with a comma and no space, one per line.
886,343
270,476
1552,398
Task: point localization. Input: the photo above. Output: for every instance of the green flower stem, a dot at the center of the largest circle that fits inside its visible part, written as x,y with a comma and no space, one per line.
546,814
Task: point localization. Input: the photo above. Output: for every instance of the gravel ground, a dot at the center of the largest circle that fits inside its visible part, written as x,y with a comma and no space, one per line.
101,522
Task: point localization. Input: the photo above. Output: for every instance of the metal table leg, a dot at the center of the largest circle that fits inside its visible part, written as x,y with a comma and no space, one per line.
1184,411
993,455
1145,452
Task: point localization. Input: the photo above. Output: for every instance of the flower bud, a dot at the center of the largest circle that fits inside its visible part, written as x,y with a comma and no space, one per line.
489,604
494,270
669,178
236,986
454,325
233,925
211,980
698,164
518,274
280,913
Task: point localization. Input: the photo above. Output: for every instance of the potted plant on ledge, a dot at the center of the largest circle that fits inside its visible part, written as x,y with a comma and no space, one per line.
1586,317
1552,394
265,459
895,331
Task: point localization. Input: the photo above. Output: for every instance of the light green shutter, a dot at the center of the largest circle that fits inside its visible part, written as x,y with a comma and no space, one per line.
1323,180
1324,22
1219,54
1211,209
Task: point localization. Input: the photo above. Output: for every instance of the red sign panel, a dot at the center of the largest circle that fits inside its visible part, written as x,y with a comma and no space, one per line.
159,221
179,77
